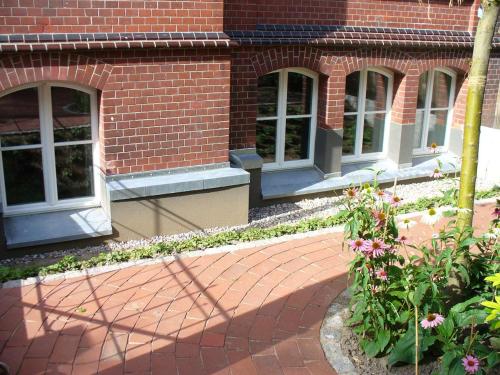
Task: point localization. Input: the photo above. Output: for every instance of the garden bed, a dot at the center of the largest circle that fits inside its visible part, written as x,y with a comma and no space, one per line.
342,349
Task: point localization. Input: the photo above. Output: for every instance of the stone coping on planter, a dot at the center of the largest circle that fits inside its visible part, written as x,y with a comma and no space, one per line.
161,183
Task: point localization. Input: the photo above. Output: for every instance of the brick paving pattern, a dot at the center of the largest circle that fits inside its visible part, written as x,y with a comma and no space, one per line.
253,311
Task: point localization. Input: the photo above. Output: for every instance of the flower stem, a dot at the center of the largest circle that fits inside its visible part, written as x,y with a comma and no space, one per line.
417,346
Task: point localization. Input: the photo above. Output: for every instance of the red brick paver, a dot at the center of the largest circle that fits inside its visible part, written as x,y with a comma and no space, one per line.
254,311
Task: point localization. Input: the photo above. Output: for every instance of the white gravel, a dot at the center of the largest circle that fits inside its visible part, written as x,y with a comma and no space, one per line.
258,217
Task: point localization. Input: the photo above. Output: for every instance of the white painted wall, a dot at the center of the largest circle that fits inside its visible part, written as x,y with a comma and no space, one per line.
489,155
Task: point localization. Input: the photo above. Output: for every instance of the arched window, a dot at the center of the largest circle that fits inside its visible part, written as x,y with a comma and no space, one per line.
48,148
436,92
368,98
286,118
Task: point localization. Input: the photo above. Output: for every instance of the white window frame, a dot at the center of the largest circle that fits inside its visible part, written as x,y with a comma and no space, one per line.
281,118
47,145
361,112
423,149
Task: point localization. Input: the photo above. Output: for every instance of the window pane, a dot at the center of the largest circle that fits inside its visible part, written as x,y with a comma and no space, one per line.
422,90
441,90
23,175
71,115
376,91
299,94
19,118
419,127
267,95
437,127
351,92
266,140
74,171
297,138
349,134
373,133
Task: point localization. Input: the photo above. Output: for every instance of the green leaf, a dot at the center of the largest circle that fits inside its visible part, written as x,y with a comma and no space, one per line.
372,349
446,329
468,242
446,361
469,317
464,274
420,293
495,343
460,307
403,318
404,350
383,339
493,359
456,367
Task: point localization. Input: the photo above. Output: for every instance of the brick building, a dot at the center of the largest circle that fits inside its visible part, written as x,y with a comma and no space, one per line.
127,119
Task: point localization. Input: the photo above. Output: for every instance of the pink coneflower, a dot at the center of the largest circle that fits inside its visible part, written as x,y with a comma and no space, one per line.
434,147
395,201
496,212
402,240
375,289
437,173
471,364
358,245
380,218
351,193
380,194
381,274
376,247
432,320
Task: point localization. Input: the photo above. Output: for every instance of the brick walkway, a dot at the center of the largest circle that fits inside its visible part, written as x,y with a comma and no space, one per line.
254,311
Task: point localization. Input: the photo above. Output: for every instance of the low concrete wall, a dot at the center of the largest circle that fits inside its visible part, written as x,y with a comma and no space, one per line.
178,213
489,155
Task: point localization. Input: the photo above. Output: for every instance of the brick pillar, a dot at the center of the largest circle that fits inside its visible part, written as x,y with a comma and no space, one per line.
402,129
328,150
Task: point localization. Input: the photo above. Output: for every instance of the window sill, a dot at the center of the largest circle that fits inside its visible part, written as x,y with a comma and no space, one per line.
52,227
288,183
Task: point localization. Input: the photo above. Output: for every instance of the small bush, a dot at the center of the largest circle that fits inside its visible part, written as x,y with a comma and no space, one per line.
413,301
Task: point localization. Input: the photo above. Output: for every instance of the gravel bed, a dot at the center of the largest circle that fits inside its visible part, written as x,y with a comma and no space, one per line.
261,217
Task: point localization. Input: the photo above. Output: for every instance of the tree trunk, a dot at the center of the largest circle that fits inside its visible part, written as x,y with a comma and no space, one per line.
475,94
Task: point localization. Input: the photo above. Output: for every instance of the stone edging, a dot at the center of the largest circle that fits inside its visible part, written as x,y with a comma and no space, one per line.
331,334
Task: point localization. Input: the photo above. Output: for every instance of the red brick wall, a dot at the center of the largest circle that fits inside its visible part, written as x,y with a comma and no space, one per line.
333,66
69,16
159,108
491,92
245,14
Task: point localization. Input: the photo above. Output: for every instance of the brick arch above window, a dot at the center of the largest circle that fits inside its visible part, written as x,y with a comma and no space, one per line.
459,61
18,70
394,60
314,59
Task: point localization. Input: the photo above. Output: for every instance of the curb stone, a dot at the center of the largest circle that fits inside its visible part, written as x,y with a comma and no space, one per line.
331,333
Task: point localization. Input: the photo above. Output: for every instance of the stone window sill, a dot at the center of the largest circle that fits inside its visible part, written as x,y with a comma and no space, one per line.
296,182
58,226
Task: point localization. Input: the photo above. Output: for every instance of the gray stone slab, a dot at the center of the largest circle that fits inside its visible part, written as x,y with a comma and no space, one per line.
400,149
163,184
456,140
59,226
288,183
328,151
246,158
